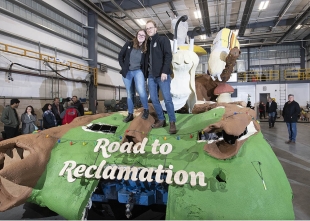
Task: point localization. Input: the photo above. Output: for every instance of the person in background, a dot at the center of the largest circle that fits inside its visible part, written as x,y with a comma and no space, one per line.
158,69
10,119
57,108
271,108
69,114
249,104
261,108
28,120
290,113
131,59
78,105
49,119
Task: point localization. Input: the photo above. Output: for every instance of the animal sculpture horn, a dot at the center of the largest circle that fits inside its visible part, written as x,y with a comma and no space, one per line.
196,30
183,18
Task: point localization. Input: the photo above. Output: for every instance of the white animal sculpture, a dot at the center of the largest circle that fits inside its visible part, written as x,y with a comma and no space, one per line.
224,41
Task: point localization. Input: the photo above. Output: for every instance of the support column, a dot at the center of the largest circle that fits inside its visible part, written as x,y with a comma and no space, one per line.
302,56
92,37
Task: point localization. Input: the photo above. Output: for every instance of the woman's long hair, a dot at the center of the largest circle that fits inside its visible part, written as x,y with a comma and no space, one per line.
32,110
143,47
45,108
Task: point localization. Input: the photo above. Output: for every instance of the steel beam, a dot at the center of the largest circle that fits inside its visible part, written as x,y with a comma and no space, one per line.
107,19
246,16
295,24
203,5
281,13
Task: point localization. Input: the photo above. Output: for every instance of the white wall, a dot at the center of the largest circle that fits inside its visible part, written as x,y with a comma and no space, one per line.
32,86
243,91
272,89
103,31
63,7
300,91
14,26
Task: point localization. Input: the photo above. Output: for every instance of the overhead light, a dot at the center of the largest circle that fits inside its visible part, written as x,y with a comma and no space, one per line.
298,27
263,5
203,37
141,21
197,14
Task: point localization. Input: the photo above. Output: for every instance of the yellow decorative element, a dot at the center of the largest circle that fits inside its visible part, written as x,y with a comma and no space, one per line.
46,136
88,113
197,49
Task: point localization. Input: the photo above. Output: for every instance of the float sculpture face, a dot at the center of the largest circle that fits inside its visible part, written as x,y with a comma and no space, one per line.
224,41
183,83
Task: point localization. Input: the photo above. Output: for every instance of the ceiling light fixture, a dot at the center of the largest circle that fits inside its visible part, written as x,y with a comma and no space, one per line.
298,27
141,21
197,14
263,5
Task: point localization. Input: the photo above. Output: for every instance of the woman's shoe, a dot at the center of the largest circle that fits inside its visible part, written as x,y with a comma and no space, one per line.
145,114
128,118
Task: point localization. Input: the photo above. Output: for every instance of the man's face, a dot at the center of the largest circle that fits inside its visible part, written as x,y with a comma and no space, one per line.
15,105
291,98
74,99
269,100
56,102
150,29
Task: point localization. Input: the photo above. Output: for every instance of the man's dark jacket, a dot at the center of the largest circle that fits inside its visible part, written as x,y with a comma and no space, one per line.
290,112
161,55
124,58
79,106
55,112
272,108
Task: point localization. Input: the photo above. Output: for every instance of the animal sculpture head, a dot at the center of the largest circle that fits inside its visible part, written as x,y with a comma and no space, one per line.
224,41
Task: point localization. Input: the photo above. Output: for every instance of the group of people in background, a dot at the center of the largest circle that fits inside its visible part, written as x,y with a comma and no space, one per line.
148,56
53,115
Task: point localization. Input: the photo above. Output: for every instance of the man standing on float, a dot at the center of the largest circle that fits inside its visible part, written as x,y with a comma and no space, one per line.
158,61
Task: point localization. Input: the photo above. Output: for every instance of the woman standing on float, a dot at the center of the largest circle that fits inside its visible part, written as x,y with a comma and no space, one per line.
131,59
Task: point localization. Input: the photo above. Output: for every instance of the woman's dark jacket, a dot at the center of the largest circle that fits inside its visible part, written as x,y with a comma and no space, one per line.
290,112
124,58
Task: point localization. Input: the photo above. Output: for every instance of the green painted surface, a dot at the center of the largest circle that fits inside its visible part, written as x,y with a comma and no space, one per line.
242,196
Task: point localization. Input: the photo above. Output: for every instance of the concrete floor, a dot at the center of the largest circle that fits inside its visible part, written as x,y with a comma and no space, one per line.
295,159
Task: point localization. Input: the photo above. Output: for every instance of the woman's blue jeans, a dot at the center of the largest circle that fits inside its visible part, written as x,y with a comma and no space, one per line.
138,78
292,131
165,89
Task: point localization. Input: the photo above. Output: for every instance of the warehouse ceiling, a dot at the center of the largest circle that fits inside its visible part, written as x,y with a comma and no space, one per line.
282,21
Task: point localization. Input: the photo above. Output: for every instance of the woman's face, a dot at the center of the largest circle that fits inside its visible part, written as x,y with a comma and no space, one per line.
49,107
29,109
141,36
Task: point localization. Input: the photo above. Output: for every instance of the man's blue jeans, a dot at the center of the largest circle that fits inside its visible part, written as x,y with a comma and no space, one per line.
165,89
292,131
138,78
271,118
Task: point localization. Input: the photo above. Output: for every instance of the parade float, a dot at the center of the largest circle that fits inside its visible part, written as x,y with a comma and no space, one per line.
217,166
